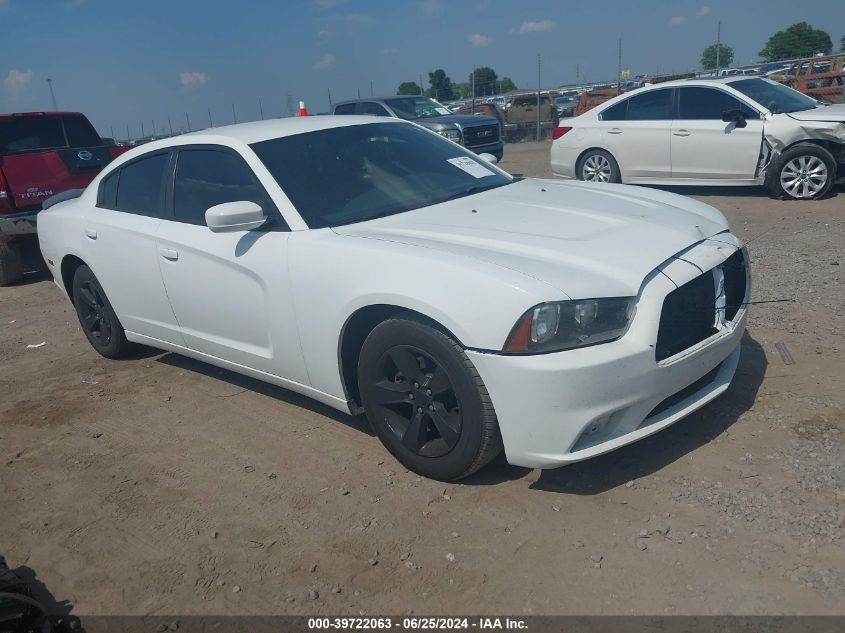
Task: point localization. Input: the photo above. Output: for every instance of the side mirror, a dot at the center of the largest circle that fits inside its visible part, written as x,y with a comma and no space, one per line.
734,116
235,216
489,158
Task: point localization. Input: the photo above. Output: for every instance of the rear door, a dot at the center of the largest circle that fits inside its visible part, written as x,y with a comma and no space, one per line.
636,131
120,234
44,154
704,146
229,291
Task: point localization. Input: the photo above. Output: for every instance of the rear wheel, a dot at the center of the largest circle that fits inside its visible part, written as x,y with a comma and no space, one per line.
426,401
598,166
11,262
97,317
803,172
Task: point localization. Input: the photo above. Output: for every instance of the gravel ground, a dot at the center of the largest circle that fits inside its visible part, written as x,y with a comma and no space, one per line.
159,485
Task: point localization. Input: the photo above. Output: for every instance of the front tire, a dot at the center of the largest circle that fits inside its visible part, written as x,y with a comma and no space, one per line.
426,401
803,172
11,262
598,165
97,317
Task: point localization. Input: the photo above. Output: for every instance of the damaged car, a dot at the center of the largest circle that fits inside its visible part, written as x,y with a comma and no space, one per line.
383,270
731,131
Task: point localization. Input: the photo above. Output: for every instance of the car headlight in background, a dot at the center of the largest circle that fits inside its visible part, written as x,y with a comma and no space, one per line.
452,135
562,325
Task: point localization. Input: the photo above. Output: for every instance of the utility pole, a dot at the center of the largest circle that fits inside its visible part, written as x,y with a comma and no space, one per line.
329,90
210,122
472,107
718,47
111,127
290,105
128,135
170,124
52,94
539,87
154,127
619,69
371,89
421,85
359,93
577,74
188,121
143,135
260,109
234,115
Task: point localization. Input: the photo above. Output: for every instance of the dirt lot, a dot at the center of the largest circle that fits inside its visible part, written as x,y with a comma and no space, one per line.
171,487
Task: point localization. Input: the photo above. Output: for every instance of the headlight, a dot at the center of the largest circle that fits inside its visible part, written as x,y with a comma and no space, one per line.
452,135
562,325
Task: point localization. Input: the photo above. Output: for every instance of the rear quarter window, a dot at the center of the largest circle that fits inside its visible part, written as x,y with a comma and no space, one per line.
80,133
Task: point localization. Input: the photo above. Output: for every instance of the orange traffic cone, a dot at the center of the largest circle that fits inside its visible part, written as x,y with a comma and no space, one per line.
303,111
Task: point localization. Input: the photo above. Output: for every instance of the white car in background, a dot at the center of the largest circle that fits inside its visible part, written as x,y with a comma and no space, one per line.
376,267
733,131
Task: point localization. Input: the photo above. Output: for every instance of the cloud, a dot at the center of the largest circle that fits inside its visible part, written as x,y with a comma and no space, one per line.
74,4
4,4
325,34
325,61
17,81
677,20
702,12
359,18
431,8
476,39
192,79
535,27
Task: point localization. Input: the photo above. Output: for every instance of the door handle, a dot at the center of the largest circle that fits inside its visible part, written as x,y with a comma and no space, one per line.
681,132
91,234
169,253
614,130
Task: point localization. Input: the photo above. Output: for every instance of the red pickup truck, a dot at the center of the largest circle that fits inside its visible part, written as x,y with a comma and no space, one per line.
41,154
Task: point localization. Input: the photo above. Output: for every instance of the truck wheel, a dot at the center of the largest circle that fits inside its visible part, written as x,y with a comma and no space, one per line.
805,171
11,263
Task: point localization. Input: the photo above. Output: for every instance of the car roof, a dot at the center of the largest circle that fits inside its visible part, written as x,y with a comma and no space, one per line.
257,131
337,103
715,81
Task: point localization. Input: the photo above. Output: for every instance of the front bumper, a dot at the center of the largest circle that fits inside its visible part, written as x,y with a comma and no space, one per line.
564,407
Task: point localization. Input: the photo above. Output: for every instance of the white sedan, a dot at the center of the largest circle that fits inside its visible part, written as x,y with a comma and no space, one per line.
733,131
378,268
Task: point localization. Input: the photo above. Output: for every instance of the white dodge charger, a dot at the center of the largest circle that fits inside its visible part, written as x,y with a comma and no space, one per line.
734,131
381,269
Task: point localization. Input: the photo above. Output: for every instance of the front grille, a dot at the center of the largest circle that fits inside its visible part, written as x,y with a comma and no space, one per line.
689,312
481,135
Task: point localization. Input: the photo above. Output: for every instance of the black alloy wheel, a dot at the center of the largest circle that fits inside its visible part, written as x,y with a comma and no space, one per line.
418,402
97,317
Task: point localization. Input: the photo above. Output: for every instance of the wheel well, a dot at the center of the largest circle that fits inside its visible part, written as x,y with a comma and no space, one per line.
356,330
68,270
834,147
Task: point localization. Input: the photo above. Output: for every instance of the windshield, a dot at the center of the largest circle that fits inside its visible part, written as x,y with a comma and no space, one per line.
37,133
775,97
413,108
353,173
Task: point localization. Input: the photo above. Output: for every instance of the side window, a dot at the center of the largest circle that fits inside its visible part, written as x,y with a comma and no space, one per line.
108,190
698,103
207,177
654,105
139,186
345,108
372,108
617,112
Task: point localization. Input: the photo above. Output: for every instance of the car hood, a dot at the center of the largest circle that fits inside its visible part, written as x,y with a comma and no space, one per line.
833,113
586,240
464,120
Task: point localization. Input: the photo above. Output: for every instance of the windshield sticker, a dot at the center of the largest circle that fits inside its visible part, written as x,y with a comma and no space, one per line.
442,111
471,167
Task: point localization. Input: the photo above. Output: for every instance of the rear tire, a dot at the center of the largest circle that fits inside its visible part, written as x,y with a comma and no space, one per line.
597,165
805,171
97,317
11,262
426,401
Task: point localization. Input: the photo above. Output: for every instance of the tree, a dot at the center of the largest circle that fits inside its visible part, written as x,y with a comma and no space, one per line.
485,81
409,88
441,85
708,57
506,84
799,40
462,90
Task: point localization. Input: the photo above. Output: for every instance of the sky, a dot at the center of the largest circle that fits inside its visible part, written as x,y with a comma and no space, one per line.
124,62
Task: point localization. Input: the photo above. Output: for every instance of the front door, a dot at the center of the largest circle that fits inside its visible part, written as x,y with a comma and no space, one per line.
706,147
230,291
